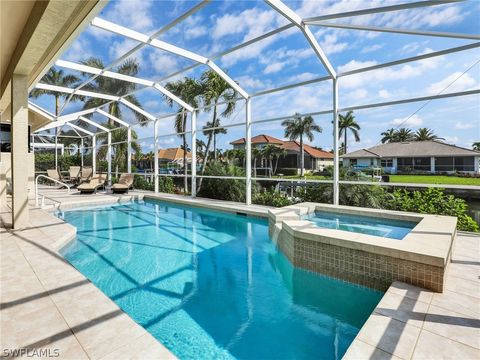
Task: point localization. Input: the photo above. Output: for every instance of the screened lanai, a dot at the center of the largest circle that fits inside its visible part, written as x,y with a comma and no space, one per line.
254,104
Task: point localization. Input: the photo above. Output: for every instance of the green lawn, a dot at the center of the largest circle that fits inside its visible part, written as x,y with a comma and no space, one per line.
434,179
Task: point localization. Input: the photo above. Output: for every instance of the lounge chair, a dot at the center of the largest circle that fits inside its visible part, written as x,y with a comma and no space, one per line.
86,174
74,174
124,184
54,174
97,181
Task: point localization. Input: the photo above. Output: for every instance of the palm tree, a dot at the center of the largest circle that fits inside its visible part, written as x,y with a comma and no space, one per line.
217,130
298,127
106,85
476,146
403,135
347,122
270,152
201,146
120,147
215,90
57,78
388,136
425,134
188,90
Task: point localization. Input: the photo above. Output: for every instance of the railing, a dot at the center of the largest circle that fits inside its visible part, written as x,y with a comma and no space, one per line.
51,179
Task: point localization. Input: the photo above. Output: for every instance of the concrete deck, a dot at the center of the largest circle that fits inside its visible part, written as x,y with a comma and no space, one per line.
48,305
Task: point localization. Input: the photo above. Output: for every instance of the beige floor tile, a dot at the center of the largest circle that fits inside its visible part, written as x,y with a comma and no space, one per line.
360,350
435,347
401,308
411,291
460,303
463,286
390,335
464,271
452,325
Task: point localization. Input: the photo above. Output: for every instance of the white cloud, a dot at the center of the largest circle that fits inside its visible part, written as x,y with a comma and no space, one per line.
453,82
414,120
331,45
301,77
274,67
466,125
133,14
357,94
452,139
371,48
253,22
80,50
249,82
163,63
384,94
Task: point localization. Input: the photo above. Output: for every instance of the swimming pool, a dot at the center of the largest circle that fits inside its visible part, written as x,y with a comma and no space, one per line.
393,229
210,284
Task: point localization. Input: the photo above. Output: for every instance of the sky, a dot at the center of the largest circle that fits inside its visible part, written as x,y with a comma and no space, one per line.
287,58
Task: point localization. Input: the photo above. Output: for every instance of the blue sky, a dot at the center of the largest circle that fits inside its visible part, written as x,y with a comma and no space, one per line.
287,58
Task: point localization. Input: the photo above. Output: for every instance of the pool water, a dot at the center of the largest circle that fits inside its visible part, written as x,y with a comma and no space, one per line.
393,229
212,285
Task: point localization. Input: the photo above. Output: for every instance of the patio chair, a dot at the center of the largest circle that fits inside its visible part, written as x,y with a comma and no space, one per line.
96,182
74,174
124,184
86,174
53,174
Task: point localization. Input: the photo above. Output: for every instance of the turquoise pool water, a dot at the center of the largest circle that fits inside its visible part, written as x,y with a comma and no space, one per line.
393,229
211,285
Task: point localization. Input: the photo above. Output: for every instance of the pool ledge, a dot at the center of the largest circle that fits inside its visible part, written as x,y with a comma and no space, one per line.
420,258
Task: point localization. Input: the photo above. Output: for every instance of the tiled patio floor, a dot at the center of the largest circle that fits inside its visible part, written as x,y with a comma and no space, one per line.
412,323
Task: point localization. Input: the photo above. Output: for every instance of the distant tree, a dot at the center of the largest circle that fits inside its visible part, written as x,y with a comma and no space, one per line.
57,78
347,123
403,135
400,135
215,90
107,85
425,134
298,127
188,90
271,152
388,136
476,146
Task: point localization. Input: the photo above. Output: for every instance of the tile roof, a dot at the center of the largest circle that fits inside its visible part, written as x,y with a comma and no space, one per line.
310,150
412,149
172,154
260,139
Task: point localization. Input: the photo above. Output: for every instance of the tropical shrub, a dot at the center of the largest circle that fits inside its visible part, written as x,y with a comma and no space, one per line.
371,196
44,161
271,197
165,184
223,189
433,201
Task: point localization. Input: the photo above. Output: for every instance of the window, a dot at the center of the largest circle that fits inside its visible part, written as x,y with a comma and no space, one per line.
5,138
353,162
386,163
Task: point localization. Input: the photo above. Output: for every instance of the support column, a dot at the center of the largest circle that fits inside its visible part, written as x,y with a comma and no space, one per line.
109,158
248,151
81,152
155,157
56,148
336,166
129,150
19,116
432,164
194,153
94,154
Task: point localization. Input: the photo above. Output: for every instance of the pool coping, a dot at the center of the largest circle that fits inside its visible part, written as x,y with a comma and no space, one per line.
429,242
